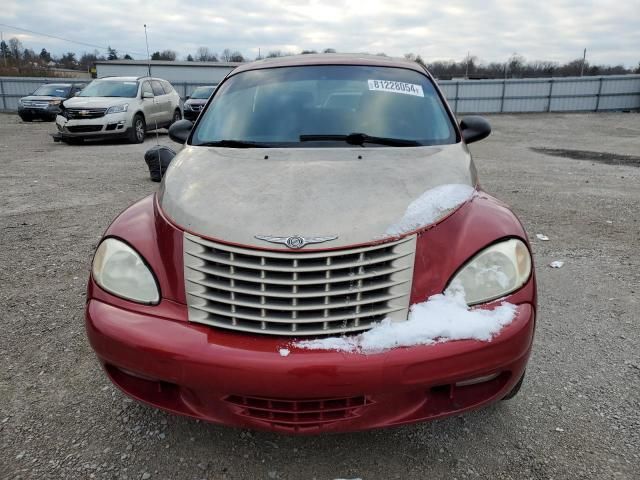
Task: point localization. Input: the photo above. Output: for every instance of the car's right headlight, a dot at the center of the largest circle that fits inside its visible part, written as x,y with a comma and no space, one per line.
494,272
120,270
118,108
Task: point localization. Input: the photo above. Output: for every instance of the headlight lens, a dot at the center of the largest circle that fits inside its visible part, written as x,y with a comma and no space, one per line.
118,108
494,272
54,102
187,106
119,269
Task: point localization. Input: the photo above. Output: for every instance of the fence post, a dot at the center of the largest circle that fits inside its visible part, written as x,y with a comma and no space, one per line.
598,95
4,101
550,95
504,88
455,105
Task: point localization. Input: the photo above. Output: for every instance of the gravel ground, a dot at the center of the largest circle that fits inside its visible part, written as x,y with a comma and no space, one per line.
575,417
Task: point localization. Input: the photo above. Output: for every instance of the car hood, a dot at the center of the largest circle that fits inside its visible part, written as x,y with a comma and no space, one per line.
355,194
96,102
41,98
196,101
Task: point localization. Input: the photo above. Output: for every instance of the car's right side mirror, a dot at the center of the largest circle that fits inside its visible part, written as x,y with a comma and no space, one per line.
474,128
179,131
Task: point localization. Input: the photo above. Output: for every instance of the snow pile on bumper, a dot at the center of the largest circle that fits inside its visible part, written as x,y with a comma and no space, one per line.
431,206
440,318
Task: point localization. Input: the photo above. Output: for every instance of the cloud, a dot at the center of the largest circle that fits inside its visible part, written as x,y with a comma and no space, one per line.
437,30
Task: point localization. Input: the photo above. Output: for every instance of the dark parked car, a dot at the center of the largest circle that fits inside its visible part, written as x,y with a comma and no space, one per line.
196,102
44,103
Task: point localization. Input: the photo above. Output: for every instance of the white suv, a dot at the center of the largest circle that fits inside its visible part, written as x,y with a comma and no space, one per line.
114,107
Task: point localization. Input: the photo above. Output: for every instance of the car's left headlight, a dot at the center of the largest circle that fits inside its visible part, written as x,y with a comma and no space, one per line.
494,272
120,270
186,106
54,102
118,108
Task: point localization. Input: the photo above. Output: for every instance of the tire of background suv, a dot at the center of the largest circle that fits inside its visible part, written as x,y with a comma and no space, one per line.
514,391
138,129
26,118
176,116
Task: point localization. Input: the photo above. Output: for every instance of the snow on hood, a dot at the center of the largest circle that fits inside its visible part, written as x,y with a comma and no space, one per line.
441,318
358,194
430,207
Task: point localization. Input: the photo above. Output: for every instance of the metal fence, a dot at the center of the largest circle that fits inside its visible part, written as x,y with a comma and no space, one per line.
570,94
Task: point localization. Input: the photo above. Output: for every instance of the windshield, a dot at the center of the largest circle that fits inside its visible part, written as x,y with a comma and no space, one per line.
326,106
53,90
110,88
202,92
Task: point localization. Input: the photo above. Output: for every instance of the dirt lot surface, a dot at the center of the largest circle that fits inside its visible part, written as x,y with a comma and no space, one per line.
577,415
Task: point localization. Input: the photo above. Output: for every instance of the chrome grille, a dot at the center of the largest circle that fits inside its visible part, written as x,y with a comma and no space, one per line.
34,104
80,113
297,293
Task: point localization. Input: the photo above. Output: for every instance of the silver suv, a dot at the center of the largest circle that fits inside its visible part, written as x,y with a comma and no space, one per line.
114,107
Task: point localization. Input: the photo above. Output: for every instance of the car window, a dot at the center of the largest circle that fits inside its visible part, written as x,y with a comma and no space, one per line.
168,88
157,88
111,88
283,105
146,88
202,92
52,90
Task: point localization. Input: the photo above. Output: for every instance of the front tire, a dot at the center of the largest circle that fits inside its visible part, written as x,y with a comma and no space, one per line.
26,118
176,116
514,391
138,129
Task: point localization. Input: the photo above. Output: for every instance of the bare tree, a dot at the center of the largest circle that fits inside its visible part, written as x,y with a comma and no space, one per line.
226,55
204,55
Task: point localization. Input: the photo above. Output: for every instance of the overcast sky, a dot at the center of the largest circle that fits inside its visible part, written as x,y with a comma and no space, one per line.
437,30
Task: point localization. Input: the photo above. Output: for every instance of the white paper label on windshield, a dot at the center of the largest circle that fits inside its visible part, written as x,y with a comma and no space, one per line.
396,87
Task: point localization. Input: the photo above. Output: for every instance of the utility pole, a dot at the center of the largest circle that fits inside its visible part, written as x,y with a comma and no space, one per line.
466,71
148,57
584,59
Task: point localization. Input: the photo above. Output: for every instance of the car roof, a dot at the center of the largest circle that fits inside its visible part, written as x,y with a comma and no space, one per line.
56,84
331,59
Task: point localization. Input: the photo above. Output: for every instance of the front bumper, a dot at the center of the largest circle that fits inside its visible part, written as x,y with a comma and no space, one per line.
108,126
190,115
242,380
48,113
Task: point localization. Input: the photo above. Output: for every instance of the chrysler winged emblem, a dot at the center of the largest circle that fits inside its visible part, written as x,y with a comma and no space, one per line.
295,241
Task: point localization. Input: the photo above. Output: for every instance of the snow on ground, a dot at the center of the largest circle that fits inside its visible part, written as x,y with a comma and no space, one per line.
430,207
440,318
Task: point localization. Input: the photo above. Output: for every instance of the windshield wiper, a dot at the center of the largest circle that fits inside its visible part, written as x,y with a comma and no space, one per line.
361,139
232,144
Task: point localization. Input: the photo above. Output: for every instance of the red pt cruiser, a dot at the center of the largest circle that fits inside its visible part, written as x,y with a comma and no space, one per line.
319,258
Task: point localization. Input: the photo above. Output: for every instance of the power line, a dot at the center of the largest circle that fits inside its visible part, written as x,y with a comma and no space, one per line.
100,47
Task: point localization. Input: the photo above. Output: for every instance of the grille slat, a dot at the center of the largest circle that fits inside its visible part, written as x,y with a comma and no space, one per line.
263,265
290,281
80,113
294,305
295,293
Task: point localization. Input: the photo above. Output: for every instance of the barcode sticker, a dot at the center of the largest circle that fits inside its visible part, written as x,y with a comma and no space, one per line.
396,87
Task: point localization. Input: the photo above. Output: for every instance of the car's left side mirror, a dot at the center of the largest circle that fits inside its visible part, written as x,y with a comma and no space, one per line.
474,128
179,131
